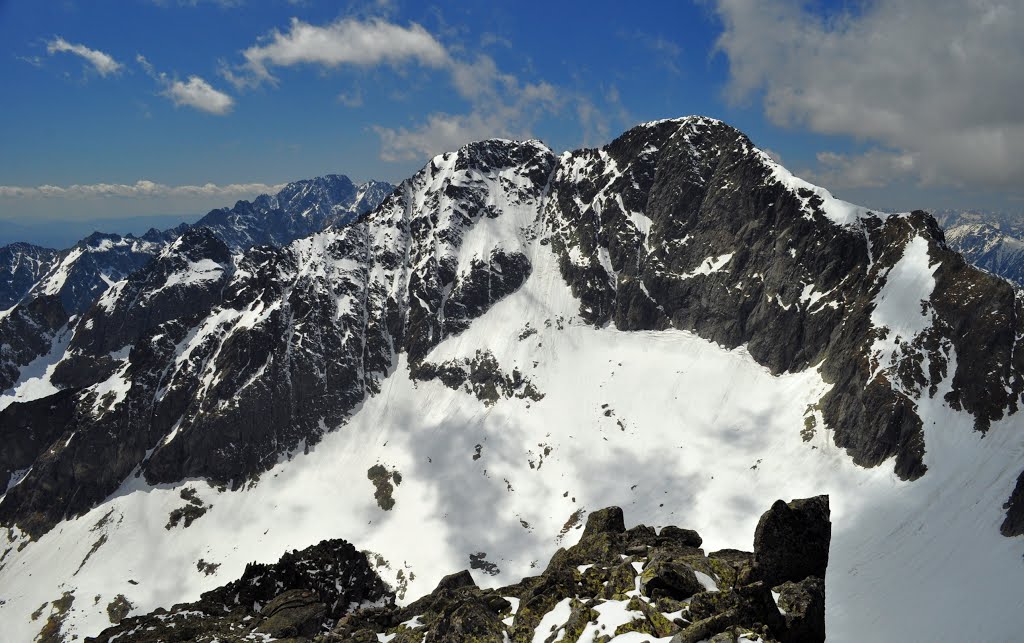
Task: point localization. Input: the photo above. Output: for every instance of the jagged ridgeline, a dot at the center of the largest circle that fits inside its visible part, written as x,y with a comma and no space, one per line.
639,584
510,337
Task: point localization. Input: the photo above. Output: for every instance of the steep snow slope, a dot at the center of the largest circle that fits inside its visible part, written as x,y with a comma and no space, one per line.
515,339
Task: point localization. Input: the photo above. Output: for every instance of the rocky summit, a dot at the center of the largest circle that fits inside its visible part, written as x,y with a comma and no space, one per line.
672,323
624,584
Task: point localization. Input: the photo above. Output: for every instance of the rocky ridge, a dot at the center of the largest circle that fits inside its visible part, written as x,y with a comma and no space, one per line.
615,584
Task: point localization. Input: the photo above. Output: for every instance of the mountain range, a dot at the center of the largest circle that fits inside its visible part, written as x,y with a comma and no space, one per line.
672,323
989,240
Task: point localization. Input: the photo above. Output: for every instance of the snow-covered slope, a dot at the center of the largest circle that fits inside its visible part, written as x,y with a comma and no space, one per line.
672,324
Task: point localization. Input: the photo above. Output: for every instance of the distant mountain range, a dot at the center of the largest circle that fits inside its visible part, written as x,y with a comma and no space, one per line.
81,273
990,240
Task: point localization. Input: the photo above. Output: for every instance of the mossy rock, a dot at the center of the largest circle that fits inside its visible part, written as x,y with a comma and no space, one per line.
669,578
657,624
592,581
705,604
604,547
581,615
621,580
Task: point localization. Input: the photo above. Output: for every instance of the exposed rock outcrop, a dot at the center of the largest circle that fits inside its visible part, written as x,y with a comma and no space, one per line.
612,582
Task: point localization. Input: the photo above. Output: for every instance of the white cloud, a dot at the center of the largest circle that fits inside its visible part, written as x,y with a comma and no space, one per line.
139,189
499,103
500,107
199,94
102,62
440,132
195,92
940,83
873,169
345,42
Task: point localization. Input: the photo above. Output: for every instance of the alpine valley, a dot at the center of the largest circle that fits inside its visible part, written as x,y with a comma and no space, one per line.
328,402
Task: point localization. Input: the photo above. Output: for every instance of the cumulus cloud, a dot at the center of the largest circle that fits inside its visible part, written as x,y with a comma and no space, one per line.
198,93
349,41
139,189
937,84
103,63
501,107
195,92
500,104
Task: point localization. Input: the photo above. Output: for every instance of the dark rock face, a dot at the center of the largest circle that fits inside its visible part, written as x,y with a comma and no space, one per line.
605,521
663,577
124,341
1013,525
300,596
28,429
683,224
27,332
792,541
21,266
803,605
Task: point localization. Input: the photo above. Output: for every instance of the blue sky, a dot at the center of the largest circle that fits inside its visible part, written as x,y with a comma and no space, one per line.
138,108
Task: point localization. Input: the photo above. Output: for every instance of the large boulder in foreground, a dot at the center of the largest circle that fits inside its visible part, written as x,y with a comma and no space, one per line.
791,541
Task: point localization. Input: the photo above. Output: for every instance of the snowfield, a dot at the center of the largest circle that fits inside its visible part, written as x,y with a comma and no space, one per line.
672,428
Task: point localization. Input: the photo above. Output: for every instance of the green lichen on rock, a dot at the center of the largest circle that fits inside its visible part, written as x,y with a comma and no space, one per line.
580,615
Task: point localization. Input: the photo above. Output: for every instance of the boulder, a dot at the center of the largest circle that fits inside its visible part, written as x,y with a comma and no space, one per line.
608,520
803,607
669,578
296,612
680,536
791,541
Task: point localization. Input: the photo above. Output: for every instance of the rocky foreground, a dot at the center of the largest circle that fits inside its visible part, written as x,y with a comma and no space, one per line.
616,584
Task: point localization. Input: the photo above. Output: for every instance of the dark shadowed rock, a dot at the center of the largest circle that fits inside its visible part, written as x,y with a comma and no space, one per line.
608,520
791,541
803,606
679,536
669,578
295,612
1013,524
296,597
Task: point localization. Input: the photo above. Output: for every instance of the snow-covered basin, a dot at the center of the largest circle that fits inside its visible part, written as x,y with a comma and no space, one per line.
697,436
